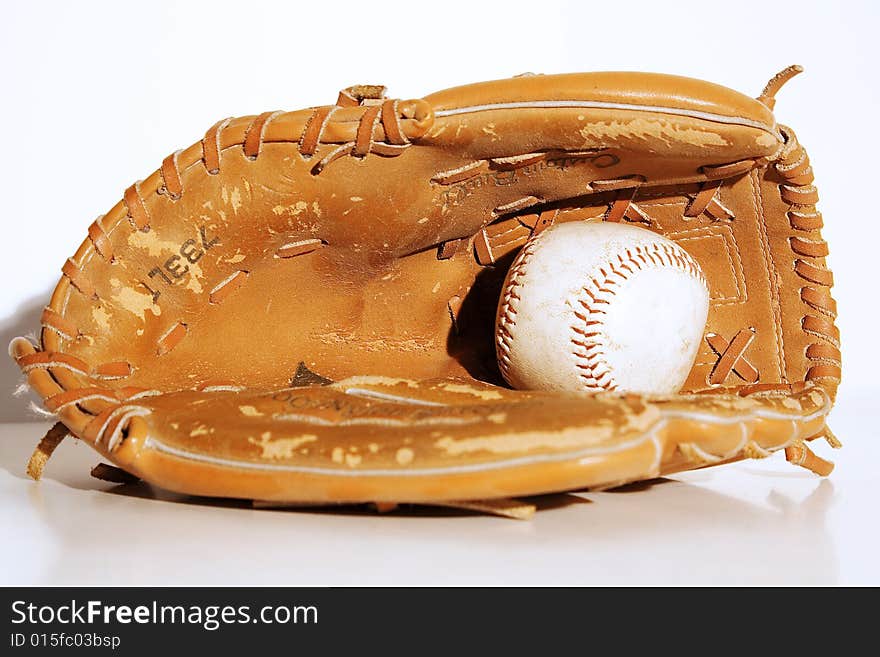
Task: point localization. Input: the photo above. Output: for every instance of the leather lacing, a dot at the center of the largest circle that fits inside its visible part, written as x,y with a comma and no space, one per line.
116,404
798,191
793,165
377,112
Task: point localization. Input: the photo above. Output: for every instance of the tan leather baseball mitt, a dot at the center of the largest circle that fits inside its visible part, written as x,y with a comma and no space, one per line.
300,307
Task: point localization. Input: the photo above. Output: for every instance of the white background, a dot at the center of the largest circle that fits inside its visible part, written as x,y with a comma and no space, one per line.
95,94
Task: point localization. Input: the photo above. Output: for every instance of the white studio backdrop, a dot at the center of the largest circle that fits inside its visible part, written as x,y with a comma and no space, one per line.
95,94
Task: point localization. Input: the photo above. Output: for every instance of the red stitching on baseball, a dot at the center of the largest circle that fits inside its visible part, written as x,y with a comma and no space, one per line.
507,309
594,371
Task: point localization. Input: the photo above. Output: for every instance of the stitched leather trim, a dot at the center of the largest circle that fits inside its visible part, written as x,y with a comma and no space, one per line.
799,192
253,136
211,146
78,278
171,338
171,183
61,325
100,239
137,210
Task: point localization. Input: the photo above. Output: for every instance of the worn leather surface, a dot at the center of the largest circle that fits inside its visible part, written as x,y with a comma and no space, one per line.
206,334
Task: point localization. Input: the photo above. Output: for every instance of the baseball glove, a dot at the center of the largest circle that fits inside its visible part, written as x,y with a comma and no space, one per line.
300,307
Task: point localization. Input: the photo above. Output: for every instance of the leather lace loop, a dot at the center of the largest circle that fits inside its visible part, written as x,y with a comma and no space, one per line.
810,250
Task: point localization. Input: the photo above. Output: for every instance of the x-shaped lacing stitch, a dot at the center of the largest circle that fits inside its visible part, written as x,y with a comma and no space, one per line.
731,357
624,207
706,200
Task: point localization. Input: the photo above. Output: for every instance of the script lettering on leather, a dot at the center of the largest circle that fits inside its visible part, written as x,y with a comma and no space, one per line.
456,194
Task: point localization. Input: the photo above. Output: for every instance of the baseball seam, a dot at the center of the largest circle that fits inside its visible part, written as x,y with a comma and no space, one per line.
507,310
588,339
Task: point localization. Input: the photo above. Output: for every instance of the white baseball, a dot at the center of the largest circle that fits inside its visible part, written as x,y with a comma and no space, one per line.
596,306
